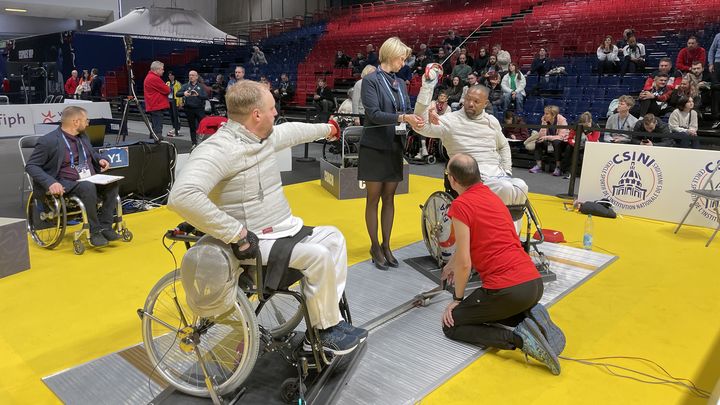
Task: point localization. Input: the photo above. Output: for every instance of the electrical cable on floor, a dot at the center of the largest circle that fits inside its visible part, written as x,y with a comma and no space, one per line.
149,380
681,382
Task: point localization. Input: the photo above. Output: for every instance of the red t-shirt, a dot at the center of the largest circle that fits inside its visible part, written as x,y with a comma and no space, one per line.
495,249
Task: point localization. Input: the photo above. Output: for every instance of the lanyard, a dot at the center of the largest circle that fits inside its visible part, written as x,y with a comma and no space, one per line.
624,122
392,97
79,145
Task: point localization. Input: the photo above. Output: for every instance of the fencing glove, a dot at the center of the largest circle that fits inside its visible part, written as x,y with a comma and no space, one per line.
433,73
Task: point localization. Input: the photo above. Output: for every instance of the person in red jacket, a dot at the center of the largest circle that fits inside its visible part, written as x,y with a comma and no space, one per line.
665,66
691,54
71,84
156,96
654,99
587,135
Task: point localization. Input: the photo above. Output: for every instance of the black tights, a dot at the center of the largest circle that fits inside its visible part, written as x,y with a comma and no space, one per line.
375,191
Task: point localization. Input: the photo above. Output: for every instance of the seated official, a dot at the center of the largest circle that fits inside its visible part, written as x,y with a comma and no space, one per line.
63,157
485,240
230,189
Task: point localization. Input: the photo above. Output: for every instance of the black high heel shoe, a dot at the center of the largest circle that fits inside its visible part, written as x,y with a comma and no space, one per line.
391,260
378,258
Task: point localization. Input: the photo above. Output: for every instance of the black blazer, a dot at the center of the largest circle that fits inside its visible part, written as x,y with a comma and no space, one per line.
44,164
380,110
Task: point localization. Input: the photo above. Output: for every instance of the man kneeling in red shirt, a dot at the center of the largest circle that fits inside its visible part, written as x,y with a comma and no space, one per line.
504,313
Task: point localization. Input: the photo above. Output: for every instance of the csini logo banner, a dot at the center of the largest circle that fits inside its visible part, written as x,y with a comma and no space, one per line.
631,179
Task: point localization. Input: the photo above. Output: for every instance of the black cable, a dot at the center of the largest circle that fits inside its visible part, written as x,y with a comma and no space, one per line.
689,385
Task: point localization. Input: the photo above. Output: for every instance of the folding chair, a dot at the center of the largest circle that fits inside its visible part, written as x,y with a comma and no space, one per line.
4,100
711,193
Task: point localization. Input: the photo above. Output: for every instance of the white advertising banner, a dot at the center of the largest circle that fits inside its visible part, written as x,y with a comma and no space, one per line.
649,181
19,119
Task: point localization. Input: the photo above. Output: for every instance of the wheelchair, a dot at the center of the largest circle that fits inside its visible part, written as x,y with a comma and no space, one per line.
48,217
344,151
437,231
435,149
213,356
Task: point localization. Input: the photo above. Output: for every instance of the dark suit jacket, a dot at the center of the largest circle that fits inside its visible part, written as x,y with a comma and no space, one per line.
43,166
380,110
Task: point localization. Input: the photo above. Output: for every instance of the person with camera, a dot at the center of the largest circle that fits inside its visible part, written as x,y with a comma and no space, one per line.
194,96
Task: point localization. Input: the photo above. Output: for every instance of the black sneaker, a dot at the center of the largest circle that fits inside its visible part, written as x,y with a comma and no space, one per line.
110,235
334,341
348,329
98,240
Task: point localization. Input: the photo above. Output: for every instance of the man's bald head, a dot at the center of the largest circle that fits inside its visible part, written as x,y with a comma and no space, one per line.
464,169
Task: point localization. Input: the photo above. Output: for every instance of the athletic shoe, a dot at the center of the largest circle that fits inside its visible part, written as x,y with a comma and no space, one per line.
716,125
553,334
170,134
557,172
348,329
110,235
98,240
536,346
334,341
535,169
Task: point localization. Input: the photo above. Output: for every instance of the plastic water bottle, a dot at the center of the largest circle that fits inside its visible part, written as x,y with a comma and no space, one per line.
588,234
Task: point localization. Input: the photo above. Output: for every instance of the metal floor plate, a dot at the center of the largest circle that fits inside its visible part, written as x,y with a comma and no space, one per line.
400,345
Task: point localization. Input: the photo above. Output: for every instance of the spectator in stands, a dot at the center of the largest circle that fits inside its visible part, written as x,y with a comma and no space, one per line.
461,69
323,100
586,135
238,76
519,134
258,57
175,101
650,124
471,81
684,121
405,73
96,85
420,62
358,63
372,56
357,106
72,84
83,89
424,50
285,91
490,68
633,57
541,64
502,58
410,62
453,40
481,61
64,156
688,88
513,87
387,103
495,98
607,54
622,43
621,120
447,65
345,108
693,52
704,83
714,69
342,60
555,136
156,97
194,97
654,99
665,66
468,59
455,92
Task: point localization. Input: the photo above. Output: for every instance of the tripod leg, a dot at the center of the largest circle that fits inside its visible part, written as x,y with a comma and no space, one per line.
123,122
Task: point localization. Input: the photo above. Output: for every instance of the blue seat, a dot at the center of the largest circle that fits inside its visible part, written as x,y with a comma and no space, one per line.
610,80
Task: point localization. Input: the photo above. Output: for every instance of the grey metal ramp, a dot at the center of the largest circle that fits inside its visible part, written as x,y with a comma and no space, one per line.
412,341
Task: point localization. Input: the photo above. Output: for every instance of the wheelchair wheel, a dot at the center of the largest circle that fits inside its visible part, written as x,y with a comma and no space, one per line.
47,220
436,226
281,314
127,235
78,247
174,337
290,390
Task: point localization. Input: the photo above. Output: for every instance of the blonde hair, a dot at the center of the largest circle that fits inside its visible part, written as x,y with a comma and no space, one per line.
552,109
628,100
72,112
243,97
585,118
392,48
367,70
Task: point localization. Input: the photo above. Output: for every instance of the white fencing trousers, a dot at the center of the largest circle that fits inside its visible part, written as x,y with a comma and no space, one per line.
322,258
512,191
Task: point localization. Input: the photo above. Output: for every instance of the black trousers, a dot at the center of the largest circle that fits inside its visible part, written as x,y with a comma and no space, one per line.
649,106
476,314
194,115
174,117
715,92
90,194
156,119
558,148
628,66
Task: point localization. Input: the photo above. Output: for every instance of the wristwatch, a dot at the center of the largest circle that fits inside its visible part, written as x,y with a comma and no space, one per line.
456,299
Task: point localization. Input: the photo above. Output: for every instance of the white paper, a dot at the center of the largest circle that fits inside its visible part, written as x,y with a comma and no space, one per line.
102,179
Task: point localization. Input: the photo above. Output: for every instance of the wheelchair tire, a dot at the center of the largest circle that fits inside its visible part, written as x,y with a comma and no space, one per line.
430,159
290,390
78,247
46,226
126,235
228,344
434,223
281,314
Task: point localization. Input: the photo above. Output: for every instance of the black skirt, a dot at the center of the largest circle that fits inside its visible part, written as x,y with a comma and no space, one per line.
382,165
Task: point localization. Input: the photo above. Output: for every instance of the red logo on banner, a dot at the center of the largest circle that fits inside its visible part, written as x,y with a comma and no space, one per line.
48,118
